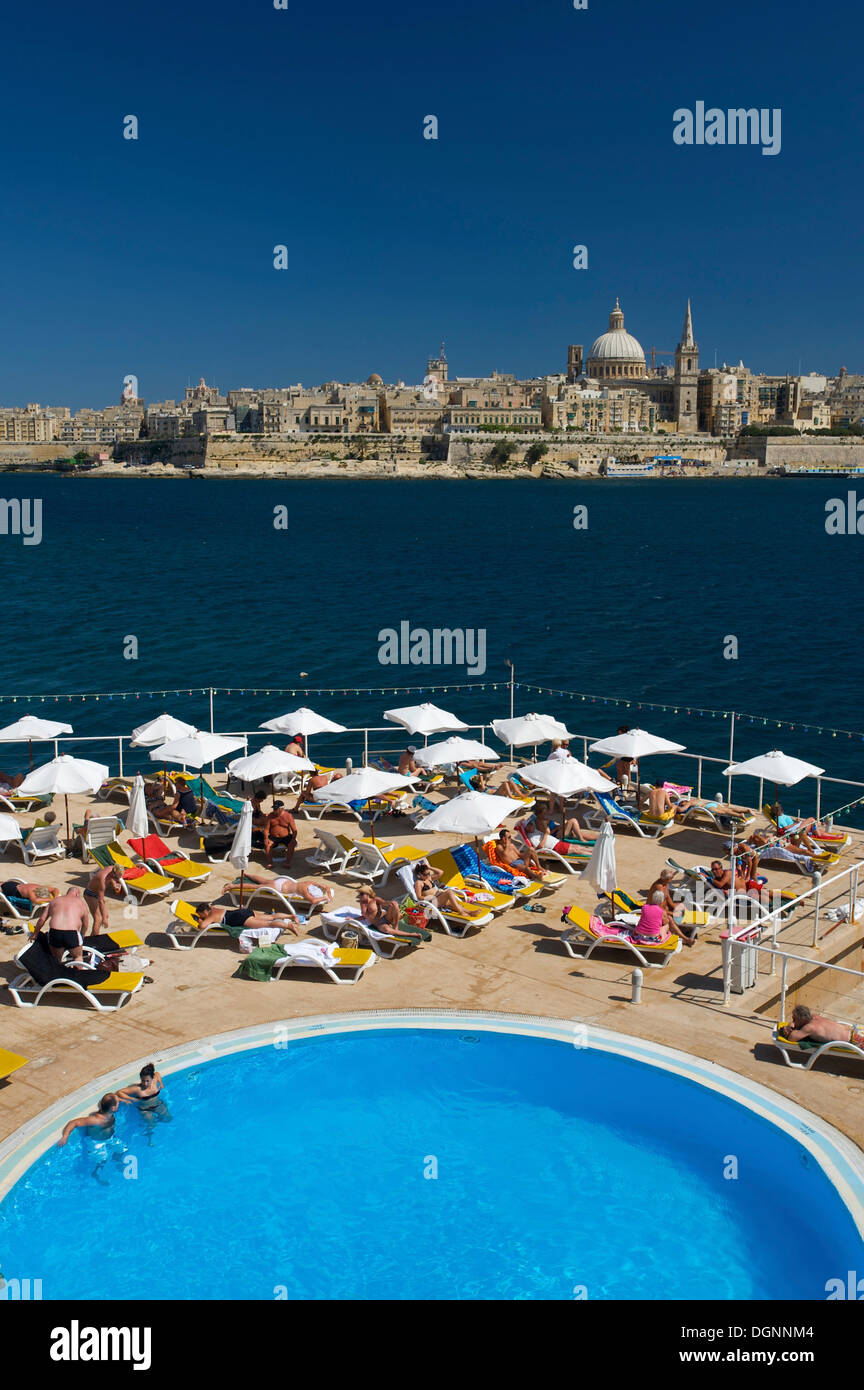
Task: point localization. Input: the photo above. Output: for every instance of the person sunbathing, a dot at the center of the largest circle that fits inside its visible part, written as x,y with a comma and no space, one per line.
33,893
806,1024
379,913
162,809
721,877
539,830
242,919
504,854
295,747
480,783
306,888
426,890
662,807
8,781
408,764
806,824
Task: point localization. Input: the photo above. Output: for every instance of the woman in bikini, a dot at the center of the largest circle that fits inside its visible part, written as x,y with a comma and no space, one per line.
307,888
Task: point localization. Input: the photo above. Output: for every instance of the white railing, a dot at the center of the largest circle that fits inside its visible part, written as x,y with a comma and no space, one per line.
785,957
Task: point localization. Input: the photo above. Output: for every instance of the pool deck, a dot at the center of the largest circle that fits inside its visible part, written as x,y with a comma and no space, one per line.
515,965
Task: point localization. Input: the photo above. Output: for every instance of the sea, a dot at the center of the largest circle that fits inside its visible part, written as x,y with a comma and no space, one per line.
667,604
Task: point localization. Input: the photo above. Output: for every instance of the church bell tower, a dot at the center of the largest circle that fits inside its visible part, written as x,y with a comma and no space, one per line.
687,378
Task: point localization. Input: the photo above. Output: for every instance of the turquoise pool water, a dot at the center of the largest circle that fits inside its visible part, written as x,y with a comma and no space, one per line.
309,1172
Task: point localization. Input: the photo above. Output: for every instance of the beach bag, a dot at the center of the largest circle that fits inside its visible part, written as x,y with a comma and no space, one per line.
413,915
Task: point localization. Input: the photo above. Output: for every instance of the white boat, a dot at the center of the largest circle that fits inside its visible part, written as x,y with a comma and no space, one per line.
614,469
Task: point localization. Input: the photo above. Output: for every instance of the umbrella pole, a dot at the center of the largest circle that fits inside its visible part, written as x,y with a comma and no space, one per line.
241,887
30,742
68,830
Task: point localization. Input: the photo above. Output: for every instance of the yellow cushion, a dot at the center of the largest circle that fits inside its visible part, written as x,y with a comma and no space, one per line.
118,980
353,956
9,1062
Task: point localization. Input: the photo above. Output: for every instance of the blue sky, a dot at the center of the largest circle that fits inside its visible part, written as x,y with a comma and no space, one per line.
304,127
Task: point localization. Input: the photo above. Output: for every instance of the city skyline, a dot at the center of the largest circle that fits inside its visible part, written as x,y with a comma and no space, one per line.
260,128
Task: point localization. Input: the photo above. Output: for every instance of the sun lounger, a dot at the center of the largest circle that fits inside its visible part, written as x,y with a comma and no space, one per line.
568,861
184,922
810,1051
18,909
376,862
158,857
718,815
334,852
9,1063
12,803
459,922
585,934
384,944
344,966
627,906
42,976
115,789
547,884
475,889
833,840
607,809
479,871
136,879
42,843
99,830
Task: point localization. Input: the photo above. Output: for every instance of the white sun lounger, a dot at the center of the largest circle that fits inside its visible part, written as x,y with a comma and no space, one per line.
354,962
41,843
580,941
27,993
381,942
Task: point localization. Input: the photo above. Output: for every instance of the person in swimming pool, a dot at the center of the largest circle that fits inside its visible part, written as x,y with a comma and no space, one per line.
146,1094
109,877
98,1129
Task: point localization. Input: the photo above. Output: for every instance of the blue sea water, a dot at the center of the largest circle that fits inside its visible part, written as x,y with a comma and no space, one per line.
637,606
519,1169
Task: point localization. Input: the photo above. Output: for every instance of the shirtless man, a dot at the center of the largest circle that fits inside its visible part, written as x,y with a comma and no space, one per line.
660,802
161,808
518,857
279,828
98,1128
722,878
806,1024
99,1123
109,877
408,764
67,920
661,885
33,892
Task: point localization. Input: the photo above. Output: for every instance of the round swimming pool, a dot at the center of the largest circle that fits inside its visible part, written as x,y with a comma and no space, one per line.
431,1163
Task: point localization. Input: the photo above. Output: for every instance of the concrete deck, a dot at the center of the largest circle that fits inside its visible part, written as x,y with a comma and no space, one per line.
516,964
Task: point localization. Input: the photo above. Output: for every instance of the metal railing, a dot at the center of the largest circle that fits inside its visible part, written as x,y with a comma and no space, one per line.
772,919
483,730
732,945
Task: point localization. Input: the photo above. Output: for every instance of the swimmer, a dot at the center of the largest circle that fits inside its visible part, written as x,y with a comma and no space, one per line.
98,1128
146,1095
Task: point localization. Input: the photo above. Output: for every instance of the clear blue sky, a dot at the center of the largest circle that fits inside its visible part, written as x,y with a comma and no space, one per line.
304,127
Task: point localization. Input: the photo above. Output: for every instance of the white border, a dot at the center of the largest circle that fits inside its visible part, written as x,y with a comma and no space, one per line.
840,1159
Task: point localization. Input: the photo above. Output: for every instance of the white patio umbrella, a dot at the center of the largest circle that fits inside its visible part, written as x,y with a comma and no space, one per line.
565,778
425,719
363,785
196,749
455,750
529,729
63,776
637,743
776,767
32,730
9,830
159,730
600,869
137,820
267,762
241,845
302,721
472,813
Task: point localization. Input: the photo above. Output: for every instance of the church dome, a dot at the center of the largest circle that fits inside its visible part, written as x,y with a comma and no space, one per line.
618,347
374,380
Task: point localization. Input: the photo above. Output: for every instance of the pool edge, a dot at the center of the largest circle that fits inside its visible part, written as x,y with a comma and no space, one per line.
839,1158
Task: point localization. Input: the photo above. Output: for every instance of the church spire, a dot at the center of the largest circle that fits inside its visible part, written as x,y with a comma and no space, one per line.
687,339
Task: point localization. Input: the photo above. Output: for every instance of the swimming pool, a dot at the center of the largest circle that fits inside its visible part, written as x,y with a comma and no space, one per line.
432,1162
